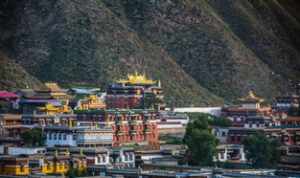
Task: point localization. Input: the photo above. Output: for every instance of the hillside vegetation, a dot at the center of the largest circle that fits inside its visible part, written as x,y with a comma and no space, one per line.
203,51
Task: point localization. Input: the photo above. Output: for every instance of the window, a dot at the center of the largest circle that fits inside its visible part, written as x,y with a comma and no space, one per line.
48,166
223,134
222,155
65,136
49,136
22,168
59,136
55,136
130,157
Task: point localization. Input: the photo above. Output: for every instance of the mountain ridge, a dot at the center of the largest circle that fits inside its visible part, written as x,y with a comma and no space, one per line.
204,52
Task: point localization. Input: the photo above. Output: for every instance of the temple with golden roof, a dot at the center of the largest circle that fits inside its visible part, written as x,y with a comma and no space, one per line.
137,79
91,102
134,92
56,92
50,109
251,101
249,108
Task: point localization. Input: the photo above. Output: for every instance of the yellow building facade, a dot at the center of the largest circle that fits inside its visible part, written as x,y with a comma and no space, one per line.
58,164
91,102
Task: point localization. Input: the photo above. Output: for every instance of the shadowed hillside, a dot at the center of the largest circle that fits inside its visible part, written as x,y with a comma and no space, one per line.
202,50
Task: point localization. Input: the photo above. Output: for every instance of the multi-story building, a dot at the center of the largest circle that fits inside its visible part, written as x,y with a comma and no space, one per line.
51,99
286,135
236,135
56,92
129,126
250,106
135,92
221,133
290,158
288,131
122,157
78,136
170,122
91,102
8,101
10,125
285,103
43,120
230,153
118,157
13,165
24,165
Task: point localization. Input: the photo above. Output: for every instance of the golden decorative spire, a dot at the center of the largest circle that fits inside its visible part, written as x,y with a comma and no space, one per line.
251,97
137,79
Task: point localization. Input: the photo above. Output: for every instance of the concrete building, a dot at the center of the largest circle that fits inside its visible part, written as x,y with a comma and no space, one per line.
82,137
169,122
230,153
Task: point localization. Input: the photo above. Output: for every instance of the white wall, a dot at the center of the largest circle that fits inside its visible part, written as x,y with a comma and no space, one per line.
216,111
25,151
68,141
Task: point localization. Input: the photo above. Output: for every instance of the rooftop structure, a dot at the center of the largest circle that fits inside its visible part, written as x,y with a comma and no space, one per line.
56,92
8,96
91,102
51,109
250,108
251,97
135,92
137,79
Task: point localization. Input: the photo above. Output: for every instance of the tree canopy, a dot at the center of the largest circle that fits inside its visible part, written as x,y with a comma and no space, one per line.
33,137
201,143
261,151
211,120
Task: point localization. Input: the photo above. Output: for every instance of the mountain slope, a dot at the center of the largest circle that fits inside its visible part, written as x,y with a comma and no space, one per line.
218,43
202,50
71,41
13,76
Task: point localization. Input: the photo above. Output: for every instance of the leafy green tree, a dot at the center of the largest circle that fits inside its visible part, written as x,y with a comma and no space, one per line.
261,151
5,107
201,143
33,137
212,120
220,121
202,147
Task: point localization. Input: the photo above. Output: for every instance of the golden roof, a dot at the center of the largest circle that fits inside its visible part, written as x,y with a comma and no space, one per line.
137,79
251,97
53,86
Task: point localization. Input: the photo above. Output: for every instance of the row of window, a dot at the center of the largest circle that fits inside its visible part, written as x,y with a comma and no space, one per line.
59,136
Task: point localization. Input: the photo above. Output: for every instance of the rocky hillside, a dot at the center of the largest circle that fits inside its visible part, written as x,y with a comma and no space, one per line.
204,51
14,77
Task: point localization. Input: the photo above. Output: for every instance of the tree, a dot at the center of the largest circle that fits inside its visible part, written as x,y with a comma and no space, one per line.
261,151
220,121
33,137
211,120
201,143
202,147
